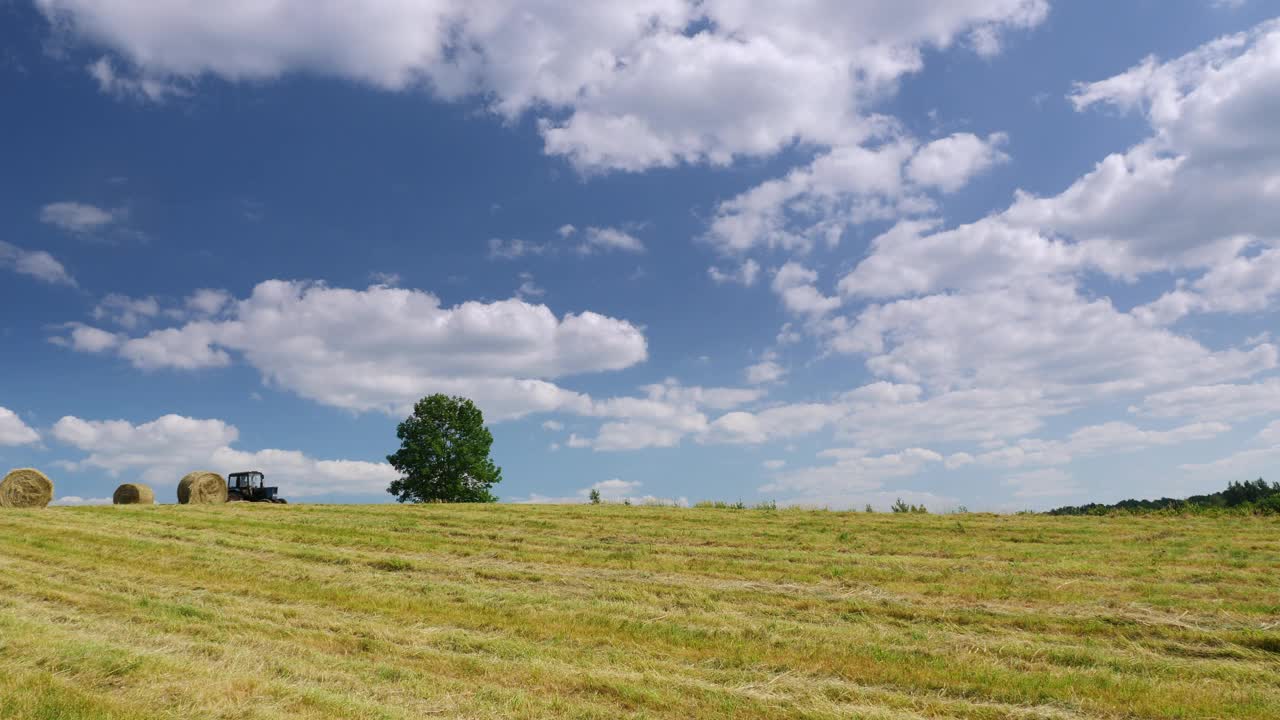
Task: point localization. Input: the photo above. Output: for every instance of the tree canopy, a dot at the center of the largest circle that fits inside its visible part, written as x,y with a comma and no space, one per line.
1256,496
444,453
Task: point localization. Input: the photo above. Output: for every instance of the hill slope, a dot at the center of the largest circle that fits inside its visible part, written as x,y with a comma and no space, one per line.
605,612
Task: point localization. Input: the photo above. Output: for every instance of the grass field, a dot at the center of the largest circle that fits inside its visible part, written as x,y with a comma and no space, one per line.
604,612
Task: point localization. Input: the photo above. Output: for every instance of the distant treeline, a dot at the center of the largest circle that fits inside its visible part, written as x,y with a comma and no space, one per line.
1258,497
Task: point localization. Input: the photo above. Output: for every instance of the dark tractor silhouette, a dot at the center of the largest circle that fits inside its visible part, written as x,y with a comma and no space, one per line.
249,486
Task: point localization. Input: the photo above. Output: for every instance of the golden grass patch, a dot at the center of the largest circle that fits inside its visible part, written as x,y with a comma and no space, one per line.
269,612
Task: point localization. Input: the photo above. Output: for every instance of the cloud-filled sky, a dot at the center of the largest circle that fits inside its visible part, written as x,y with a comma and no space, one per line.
1003,254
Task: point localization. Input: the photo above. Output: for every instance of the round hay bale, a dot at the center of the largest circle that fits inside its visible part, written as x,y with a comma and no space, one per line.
202,488
133,494
26,488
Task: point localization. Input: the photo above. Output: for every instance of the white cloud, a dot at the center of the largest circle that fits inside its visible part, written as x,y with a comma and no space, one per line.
1252,462
1270,434
1207,178
76,500
528,288
112,82
1105,439
814,204
622,85
745,274
850,185
78,217
35,263
855,476
716,398
597,239
1044,335
1200,193
949,163
207,302
383,348
764,372
616,436
1236,285
774,464
83,338
552,425
13,431
515,248
616,490
163,450
1050,482
666,414
781,422
1214,402
889,415
794,283
125,311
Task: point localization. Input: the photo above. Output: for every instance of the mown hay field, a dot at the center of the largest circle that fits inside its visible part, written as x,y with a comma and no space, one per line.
261,611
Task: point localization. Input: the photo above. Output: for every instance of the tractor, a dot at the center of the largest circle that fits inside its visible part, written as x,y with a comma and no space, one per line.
249,486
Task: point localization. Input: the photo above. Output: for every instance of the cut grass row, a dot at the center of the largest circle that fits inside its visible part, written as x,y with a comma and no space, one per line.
252,611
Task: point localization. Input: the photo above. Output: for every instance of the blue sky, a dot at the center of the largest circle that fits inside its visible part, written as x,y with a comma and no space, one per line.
996,253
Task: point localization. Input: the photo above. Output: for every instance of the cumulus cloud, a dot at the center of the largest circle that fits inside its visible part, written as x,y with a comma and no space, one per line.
34,263
1199,194
745,274
382,348
515,248
666,414
1104,439
13,431
850,185
1046,483
766,371
78,217
76,500
1245,464
794,283
125,85
1227,402
948,164
161,451
853,478
775,423
207,302
624,85
125,311
615,490
597,240
1045,335
528,288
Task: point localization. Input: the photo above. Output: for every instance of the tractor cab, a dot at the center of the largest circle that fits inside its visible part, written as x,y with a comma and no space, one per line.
250,486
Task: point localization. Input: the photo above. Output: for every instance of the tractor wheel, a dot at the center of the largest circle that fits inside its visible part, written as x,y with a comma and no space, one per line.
280,501
234,496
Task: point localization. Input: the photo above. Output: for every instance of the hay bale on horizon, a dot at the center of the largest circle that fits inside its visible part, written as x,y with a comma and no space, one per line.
133,494
202,488
26,488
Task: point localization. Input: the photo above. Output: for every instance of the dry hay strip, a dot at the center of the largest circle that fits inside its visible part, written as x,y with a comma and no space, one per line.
133,494
26,488
202,488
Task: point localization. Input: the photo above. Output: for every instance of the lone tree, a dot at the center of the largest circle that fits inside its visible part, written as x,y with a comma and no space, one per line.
444,453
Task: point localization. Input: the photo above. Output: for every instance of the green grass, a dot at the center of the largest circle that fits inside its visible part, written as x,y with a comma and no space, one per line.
374,612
